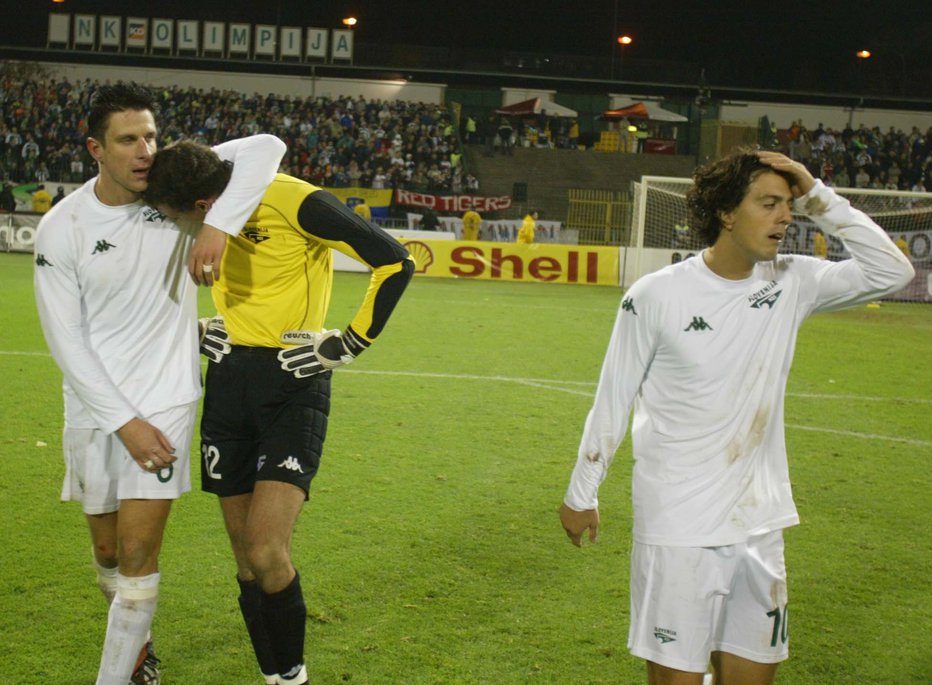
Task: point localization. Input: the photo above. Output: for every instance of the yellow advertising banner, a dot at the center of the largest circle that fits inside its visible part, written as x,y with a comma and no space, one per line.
541,262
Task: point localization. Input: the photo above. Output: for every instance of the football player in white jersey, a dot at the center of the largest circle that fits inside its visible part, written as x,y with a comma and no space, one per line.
120,319
701,350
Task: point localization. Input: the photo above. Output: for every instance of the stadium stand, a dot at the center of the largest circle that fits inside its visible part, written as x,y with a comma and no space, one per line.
355,142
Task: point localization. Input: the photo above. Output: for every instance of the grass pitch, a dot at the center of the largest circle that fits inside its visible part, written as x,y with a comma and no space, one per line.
430,550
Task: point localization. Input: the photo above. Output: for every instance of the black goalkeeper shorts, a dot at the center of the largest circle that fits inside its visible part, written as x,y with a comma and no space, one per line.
261,423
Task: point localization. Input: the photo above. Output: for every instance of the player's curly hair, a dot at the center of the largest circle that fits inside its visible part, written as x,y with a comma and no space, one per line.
720,186
118,97
183,173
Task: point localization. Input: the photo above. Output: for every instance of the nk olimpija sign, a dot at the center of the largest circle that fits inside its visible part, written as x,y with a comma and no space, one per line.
183,36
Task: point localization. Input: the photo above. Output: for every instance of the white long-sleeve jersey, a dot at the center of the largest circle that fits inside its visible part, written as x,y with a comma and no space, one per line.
117,307
704,361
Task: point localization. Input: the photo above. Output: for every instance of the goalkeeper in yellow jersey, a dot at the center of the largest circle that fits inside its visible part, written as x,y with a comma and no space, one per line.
267,395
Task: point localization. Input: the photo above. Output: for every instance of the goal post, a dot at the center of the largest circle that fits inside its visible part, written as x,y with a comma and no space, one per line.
661,233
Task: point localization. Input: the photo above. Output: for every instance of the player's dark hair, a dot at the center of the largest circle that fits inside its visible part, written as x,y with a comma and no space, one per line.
184,173
117,98
720,186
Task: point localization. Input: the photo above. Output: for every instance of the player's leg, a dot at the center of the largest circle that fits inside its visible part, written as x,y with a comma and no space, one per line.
663,675
235,514
269,528
140,529
144,506
267,542
89,481
228,469
293,433
103,529
731,669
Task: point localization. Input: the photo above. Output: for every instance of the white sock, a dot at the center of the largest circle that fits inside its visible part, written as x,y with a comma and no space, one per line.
107,581
707,679
127,627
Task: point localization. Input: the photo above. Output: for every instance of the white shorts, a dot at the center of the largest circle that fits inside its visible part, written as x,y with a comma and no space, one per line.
687,602
99,471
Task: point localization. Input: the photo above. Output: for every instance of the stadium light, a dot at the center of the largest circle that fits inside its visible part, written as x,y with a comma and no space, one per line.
624,41
863,54
349,22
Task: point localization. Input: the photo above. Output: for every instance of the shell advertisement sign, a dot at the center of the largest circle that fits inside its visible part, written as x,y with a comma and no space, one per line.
538,262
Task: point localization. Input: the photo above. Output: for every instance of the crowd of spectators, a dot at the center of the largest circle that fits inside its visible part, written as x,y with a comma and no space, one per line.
864,157
346,141
332,142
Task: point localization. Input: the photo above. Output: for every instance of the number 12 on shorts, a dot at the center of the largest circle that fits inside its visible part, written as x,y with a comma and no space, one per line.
780,620
211,457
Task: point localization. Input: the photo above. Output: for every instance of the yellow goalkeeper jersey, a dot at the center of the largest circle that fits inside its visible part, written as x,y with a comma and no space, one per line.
276,275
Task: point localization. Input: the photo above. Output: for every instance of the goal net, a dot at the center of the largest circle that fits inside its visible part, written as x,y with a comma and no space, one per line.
661,233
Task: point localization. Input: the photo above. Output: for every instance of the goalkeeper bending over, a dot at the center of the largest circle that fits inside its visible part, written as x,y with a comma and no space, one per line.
705,347
267,396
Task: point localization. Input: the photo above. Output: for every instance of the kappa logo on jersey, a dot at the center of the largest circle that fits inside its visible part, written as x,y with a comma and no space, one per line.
102,246
765,296
698,324
665,635
42,261
628,305
292,464
256,235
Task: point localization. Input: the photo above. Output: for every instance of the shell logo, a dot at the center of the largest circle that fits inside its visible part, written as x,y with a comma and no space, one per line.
423,255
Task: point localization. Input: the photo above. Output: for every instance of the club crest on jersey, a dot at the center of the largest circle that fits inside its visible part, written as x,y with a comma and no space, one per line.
152,214
765,296
256,235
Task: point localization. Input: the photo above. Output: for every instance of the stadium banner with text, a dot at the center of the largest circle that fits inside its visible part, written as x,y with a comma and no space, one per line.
18,232
539,262
452,203
379,200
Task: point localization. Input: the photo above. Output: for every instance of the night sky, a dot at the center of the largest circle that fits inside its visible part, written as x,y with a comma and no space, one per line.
759,42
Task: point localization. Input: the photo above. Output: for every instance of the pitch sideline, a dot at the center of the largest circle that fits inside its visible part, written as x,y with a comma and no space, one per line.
567,387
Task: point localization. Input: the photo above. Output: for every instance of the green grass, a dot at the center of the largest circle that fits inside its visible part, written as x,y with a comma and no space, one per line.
430,550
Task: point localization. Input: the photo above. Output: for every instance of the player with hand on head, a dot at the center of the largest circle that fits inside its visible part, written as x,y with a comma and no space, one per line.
702,349
267,398
119,317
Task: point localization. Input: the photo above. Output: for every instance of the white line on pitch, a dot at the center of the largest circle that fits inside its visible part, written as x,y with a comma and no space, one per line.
867,436
554,383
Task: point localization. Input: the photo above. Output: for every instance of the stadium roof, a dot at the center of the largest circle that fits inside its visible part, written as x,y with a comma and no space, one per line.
536,106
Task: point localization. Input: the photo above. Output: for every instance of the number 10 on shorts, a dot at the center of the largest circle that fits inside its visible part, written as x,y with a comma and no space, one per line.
780,619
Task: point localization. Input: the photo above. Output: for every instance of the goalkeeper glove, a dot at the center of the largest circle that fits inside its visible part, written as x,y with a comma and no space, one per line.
321,352
214,339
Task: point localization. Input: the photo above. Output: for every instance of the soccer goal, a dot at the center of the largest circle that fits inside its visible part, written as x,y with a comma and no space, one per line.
661,233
